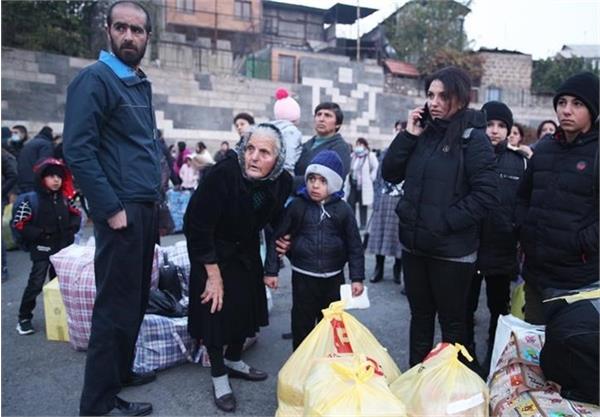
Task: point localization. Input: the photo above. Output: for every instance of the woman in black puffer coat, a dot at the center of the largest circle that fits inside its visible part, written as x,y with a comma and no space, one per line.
448,166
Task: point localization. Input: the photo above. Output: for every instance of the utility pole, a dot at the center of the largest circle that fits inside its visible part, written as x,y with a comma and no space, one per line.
357,30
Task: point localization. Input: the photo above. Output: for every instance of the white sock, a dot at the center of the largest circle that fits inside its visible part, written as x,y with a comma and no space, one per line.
239,366
221,384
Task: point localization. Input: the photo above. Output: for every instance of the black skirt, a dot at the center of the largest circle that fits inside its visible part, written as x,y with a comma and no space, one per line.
244,302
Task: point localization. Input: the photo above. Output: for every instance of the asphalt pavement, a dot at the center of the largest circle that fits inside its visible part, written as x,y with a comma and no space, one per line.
44,378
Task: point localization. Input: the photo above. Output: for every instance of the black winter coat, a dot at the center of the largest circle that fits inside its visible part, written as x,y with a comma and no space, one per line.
447,189
9,175
336,143
321,242
51,227
36,149
558,213
498,248
222,226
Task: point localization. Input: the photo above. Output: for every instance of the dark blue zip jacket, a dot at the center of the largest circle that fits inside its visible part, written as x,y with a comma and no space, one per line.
109,136
323,238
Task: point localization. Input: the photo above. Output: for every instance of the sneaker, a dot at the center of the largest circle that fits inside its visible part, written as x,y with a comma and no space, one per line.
25,327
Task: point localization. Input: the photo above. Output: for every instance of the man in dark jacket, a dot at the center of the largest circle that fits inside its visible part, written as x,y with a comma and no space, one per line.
328,120
558,215
36,149
110,143
497,256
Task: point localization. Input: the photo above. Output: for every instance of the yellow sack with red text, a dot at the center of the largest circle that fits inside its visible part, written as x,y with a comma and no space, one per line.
338,333
441,385
349,385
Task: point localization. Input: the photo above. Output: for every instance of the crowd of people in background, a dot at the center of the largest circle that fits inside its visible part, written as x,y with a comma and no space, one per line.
458,198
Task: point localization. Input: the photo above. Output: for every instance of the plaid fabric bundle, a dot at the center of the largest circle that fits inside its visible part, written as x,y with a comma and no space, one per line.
74,266
177,202
164,342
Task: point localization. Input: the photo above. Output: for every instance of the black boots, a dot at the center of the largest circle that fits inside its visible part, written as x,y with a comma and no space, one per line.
379,263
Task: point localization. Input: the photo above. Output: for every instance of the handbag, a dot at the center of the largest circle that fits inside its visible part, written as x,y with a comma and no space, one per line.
164,303
169,278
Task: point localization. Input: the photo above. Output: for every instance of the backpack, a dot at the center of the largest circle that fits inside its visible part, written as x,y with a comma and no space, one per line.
19,213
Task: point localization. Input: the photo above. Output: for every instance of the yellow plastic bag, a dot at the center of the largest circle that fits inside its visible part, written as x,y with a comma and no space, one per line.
442,386
7,236
339,333
517,301
349,385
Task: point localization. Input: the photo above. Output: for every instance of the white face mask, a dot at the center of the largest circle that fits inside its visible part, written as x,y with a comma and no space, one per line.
359,150
15,137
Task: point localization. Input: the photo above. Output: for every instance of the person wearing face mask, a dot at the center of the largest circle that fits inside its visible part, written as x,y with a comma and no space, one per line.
363,171
450,182
17,139
497,256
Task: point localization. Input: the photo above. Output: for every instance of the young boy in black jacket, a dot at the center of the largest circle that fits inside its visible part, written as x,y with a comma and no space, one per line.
324,237
47,222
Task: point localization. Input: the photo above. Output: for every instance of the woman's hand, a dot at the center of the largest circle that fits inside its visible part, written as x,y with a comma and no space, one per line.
283,244
412,124
271,282
357,289
213,291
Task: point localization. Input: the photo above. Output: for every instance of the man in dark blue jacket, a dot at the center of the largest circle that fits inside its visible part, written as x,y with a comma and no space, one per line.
110,143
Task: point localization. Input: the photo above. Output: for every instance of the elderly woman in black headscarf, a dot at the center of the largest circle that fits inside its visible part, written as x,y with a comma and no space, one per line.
235,200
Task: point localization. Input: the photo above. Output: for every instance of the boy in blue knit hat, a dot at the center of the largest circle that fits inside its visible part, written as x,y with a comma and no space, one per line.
324,237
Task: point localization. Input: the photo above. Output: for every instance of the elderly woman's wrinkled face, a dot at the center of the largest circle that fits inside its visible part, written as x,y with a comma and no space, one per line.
260,156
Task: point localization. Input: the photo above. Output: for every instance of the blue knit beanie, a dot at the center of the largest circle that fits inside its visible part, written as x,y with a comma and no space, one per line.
329,165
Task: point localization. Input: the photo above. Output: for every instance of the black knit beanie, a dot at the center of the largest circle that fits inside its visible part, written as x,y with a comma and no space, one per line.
495,110
584,86
53,170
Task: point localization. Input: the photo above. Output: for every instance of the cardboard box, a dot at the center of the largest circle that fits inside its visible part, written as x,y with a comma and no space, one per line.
56,314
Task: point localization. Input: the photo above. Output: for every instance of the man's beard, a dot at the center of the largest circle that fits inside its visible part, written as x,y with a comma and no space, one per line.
129,57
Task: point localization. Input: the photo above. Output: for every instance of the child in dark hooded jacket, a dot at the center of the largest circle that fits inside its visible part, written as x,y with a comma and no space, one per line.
324,237
47,222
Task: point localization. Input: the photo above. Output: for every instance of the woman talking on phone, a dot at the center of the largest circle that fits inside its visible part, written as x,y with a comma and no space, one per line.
448,167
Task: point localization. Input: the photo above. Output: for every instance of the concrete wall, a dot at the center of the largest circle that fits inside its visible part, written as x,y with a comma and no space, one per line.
194,105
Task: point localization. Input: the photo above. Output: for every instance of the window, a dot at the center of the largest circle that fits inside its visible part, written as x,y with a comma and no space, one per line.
270,25
243,9
287,68
493,93
187,6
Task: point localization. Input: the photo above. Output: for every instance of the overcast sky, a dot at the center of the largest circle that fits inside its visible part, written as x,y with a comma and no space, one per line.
536,27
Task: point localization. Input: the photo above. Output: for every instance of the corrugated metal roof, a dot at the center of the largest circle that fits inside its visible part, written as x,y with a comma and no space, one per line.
401,68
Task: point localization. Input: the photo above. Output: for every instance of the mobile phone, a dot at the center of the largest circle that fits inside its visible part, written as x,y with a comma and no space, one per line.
425,116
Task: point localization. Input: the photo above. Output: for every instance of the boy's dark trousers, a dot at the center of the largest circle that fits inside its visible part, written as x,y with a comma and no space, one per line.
35,284
123,266
310,295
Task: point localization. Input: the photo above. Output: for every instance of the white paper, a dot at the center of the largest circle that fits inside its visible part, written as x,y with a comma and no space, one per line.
361,302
